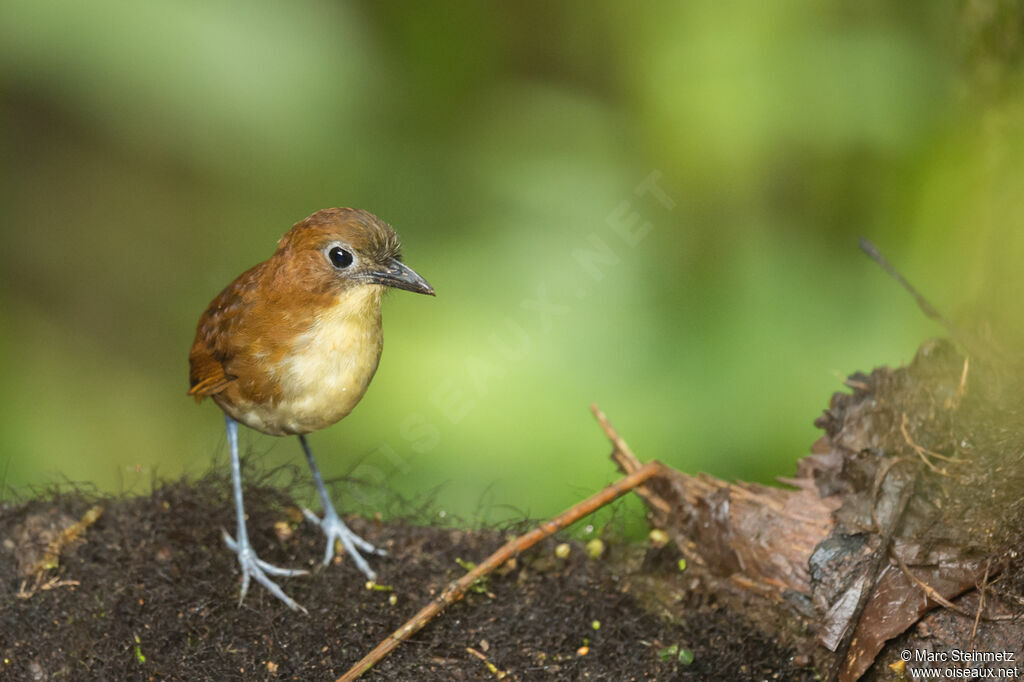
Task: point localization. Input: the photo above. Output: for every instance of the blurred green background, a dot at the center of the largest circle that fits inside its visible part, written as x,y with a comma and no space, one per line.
655,208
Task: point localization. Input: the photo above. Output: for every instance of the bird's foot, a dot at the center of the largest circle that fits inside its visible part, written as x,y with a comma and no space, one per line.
336,530
254,567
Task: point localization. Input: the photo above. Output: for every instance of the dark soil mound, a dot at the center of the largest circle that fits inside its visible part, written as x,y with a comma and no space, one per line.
149,591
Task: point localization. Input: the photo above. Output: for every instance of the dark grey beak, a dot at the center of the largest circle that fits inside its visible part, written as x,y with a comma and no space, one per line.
400,276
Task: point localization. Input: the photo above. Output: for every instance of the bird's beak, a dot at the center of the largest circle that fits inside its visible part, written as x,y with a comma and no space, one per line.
397,274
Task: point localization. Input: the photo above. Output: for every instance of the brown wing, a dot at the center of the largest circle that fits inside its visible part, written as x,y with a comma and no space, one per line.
217,339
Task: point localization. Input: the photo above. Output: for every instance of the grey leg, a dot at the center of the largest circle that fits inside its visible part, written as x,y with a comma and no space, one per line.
333,527
252,565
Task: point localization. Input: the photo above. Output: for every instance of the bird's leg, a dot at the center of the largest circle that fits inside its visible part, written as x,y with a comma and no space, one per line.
252,565
334,527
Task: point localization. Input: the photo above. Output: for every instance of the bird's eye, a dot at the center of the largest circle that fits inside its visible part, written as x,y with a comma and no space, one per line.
339,257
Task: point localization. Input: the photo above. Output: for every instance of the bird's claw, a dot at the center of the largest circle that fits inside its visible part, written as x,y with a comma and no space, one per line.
254,567
336,530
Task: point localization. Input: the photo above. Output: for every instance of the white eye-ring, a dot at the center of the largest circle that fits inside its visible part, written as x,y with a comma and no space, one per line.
339,257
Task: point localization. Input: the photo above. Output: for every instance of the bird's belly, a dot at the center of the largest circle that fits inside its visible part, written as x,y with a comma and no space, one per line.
321,380
318,406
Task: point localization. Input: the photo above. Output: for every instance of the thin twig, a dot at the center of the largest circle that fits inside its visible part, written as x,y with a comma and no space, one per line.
924,453
623,455
456,589
971,343
934,595
1009,596
981,601
961,389
495,670
628,460
927,308
929,591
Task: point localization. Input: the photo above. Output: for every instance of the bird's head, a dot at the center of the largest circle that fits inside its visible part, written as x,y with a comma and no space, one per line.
341,249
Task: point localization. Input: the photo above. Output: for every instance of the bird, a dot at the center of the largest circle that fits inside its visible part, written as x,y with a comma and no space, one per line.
289,348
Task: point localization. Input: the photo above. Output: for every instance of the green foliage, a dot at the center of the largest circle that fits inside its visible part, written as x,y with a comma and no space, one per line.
675,653
156,150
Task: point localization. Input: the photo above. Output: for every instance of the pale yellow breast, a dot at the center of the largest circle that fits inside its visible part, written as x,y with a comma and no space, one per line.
329,367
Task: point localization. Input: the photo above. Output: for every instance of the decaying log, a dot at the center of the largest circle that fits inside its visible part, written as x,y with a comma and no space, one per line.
905,512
